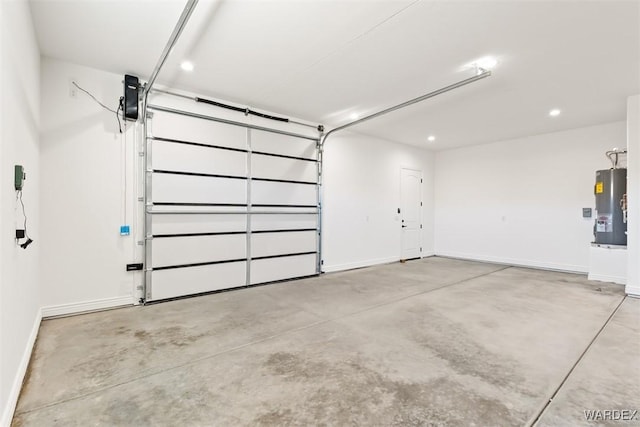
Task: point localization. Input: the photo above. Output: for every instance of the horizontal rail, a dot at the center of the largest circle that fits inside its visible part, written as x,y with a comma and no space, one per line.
215,233
282,255
232,233
214,175
259,205
205,212
205,175
228,205
196,144
284,156
221,105
286,181
198,264
287,230
229,261
289,279
226,121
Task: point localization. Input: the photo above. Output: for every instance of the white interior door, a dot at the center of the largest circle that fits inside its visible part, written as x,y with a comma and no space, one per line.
411,212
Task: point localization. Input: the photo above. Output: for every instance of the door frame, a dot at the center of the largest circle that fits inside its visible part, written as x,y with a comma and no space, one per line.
421,210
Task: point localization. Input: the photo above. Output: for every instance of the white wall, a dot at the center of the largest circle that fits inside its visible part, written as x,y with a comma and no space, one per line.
633,194
520,201
83,157
83,254
361,197
19,120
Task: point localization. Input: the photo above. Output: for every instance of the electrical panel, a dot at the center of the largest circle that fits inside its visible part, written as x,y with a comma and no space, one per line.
19,177
130,104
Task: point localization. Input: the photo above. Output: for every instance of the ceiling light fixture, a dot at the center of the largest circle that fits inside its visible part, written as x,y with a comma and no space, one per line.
354,116
431,138
187,66
481,65
554,113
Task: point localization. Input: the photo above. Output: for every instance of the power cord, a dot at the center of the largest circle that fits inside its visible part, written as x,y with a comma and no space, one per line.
24,214
116,112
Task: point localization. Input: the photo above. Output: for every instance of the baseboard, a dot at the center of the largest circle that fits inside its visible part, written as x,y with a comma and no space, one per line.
16,387
359,264
632,291
606,278
85,306
567,268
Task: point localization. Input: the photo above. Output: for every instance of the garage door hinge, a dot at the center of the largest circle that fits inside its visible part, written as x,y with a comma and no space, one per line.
420,203
420,249
420,180
420,225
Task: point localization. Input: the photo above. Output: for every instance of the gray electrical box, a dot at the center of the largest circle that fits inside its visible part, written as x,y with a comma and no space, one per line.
586,213
19,177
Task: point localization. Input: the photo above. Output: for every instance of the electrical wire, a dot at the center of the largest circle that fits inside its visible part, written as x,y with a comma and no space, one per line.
116,111
124,174
24,212
118,115
94,98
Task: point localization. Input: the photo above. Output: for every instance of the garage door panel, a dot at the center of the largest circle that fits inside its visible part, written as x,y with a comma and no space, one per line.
197,189
194,280
280,193
184,128
181,224
269,142
179,157
269,270
171,251
202,192
283,222
265,244
279,168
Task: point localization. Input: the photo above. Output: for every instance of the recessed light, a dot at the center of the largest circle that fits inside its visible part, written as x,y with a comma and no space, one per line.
554,113
431,138
354,116
187,66
487,63
481,65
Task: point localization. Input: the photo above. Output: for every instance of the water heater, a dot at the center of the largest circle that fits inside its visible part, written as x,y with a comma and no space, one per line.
611,221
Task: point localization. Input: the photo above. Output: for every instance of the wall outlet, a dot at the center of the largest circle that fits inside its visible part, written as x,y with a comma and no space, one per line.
125,230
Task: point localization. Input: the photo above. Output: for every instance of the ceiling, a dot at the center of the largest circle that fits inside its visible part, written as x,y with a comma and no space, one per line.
324,60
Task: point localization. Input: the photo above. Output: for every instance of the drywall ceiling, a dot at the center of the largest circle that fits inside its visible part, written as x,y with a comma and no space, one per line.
324,60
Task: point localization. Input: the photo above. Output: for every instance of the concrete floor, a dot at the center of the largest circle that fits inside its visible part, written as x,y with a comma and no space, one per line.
434,342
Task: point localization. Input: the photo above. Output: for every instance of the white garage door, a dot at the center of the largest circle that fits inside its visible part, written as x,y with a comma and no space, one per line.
227,204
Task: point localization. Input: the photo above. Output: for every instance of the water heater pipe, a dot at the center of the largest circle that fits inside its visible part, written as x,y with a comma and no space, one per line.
615,152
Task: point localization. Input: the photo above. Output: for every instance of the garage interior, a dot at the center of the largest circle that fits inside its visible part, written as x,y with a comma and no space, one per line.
404,212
